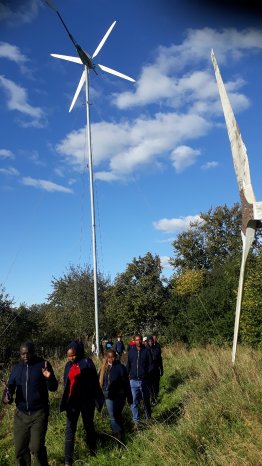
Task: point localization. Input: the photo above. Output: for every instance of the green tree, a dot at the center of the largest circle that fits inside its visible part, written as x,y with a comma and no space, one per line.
251,314
209,242
7,319
136,300
206,308
207,263
71,303
16,325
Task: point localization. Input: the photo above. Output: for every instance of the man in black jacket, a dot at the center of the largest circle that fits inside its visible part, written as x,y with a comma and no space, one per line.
119,347
139,366
30,381
157,371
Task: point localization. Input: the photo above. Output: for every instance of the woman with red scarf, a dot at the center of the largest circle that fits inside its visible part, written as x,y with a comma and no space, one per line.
82,392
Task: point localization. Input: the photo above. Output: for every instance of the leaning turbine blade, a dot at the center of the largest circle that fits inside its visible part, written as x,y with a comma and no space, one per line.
247,243
79,87
238,148
100,45
66,57
116,73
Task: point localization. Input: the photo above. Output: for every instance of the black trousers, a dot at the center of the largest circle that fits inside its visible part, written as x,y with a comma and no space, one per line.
29,437
72,416
154,384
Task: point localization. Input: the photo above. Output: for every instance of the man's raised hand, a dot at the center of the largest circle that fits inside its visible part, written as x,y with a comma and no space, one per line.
46,372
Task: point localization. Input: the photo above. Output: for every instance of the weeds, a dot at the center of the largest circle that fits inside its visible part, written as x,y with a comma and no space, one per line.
208,414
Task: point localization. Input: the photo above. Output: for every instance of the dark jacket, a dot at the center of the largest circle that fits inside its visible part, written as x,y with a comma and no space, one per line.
157,359
119,347
158,346
116,382
89,389
139,363
30,386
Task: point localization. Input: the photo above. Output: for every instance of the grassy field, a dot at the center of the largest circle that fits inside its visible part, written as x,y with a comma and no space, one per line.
208,415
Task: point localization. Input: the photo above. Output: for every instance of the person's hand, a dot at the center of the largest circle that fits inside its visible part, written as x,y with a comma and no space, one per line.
46,372
7,397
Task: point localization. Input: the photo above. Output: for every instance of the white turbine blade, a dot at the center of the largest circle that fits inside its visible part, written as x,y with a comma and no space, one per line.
238,148
79,87
67,58
247,243
100,45
116,73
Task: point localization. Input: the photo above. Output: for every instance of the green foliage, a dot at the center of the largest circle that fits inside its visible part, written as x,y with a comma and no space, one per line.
136,300
207,262
251,316
71,304
208,415
205,304
7,316
210,241
16,325
189,282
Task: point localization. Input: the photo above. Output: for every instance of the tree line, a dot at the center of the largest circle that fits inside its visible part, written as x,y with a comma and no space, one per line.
196,305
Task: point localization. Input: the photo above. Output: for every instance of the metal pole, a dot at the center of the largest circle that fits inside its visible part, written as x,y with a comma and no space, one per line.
90,166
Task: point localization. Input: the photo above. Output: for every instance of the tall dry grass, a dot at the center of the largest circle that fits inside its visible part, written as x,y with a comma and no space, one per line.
209,414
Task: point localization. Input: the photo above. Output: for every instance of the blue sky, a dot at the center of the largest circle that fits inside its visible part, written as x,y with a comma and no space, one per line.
160,147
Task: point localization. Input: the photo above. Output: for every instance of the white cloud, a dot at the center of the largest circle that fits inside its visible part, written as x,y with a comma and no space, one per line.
6,154
26,12
12,53
189,103
151,86
184,156
167,79
209,165
17,100
35,157
45,185
106,176
164,261
120,149
9,171
228,44
168,225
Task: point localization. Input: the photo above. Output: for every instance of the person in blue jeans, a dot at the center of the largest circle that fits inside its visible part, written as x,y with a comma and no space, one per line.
139,367
82,393
116,389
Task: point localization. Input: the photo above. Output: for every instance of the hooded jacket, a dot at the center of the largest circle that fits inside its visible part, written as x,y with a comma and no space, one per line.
90,391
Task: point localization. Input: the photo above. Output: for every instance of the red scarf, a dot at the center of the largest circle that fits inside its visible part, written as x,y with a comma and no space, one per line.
73,376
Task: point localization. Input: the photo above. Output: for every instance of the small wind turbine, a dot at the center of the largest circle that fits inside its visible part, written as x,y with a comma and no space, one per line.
251,209
87,60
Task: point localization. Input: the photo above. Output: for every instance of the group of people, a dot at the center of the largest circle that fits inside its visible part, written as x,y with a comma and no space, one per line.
136,383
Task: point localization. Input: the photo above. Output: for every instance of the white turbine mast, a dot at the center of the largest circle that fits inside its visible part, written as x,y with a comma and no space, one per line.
251,209
87,60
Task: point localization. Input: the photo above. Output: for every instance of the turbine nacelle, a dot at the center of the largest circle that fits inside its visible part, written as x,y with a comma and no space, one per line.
85,58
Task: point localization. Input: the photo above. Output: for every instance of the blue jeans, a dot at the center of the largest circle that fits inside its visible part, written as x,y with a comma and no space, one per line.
114,409
140,388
